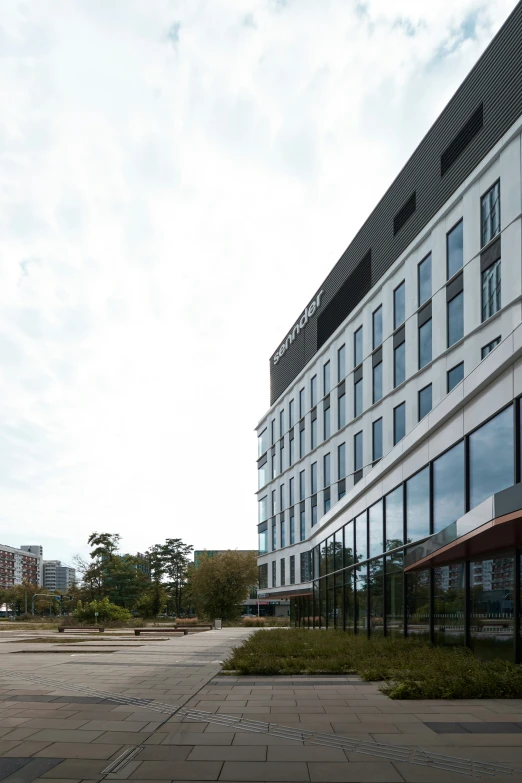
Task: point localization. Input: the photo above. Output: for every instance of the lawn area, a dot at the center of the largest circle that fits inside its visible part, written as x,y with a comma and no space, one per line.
407,668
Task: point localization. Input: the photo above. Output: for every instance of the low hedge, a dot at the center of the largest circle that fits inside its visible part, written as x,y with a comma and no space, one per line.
407,668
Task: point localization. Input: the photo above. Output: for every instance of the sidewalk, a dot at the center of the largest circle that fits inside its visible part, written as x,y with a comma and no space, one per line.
68,730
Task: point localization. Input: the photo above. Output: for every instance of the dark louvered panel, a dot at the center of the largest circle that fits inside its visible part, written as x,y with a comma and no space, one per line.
347,297
462,139
404,213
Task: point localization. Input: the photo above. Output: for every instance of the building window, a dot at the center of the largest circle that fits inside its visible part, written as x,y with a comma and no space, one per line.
491,299
377,382
327,504
491,464
263,509
395,518
291,420
262,474
399,364
282,455
313,434
424,279
306,566
283,534
314,479
455,375
326,470
302,447
292,527
418,506
314,515
262,538
358,456
274,463
358,347
399,305
341,461
291,455
490,214
313,392
282,497
326,419
274,536
274,578
263,576
292,569
326,378
341,411
425,344
291,493
273,502
302,486
358,398
490,347
282,569
377,440
272,431
262,442
301,403
377,327
455,249
341,363
281,423
455,319
302,525
399,423
425,401
448,487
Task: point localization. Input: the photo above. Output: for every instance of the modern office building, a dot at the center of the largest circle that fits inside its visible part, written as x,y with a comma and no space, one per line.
390,494
18,566
57,576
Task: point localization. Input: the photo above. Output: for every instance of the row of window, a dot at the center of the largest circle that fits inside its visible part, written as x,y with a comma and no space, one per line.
470,603
429,501
491,303
425,398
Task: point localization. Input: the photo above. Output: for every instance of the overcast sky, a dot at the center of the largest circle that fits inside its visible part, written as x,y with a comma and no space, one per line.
176,179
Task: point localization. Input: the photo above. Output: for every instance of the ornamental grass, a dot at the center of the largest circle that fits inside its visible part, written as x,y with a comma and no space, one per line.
406,668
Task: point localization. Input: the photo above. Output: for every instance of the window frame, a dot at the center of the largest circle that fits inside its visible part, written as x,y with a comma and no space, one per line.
395,324
424,388
458,223
448,390
483,196
374,313
396,408
421,262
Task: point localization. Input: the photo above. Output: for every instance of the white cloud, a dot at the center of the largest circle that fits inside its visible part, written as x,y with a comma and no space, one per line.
177,179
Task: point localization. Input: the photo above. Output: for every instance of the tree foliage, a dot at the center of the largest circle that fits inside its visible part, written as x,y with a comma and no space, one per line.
220,583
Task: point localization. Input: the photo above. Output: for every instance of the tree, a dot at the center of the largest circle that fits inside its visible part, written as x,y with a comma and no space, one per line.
219,584
170,562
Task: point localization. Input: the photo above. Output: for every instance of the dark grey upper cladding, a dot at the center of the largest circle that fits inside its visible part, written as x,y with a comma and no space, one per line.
482,110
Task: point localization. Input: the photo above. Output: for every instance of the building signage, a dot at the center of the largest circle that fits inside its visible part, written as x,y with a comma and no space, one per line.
312,308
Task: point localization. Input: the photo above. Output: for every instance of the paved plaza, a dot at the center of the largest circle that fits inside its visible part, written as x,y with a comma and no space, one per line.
115,707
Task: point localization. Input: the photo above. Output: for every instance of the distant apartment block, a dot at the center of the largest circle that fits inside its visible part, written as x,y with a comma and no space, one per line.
18,566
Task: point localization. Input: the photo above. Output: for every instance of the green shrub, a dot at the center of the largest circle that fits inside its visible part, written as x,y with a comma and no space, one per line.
106,612
407,668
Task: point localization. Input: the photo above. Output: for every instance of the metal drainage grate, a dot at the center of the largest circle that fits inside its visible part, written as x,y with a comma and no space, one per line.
118,764
408,755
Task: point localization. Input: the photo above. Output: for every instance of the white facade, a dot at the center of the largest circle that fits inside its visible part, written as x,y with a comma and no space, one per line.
488,385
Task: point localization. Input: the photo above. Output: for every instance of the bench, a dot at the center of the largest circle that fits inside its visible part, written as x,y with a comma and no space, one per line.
192,628
159,631
72,628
